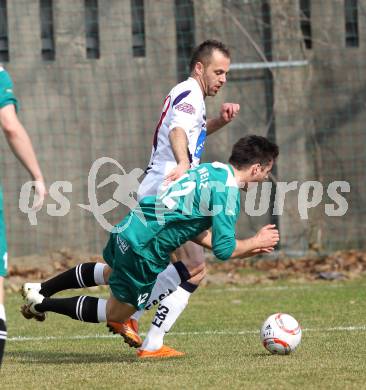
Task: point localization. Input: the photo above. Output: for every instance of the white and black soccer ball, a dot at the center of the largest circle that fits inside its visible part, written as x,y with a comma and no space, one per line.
280,334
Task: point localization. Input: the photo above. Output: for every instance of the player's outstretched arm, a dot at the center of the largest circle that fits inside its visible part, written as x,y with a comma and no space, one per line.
22,148
227,113
260,251
263,242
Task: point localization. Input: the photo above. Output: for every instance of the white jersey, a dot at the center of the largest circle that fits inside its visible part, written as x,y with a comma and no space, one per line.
184,107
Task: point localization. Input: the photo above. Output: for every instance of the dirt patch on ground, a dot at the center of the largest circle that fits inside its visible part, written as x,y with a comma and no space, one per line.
37,268
336,266
340,265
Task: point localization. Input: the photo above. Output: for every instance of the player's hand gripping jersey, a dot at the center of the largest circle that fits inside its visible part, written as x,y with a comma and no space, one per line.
184,107
206,196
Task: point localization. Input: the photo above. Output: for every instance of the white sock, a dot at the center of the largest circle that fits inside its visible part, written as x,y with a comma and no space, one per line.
2,312
98,274
166,282
169,279
137,315
168,312
102,310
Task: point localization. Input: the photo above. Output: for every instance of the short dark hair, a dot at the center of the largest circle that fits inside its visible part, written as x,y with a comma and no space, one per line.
253,149
204,51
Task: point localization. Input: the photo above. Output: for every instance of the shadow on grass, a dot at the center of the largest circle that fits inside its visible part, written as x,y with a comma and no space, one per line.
48,357
262,355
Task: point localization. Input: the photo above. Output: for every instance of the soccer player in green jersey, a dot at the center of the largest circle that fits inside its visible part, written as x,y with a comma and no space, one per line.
137,253
21,146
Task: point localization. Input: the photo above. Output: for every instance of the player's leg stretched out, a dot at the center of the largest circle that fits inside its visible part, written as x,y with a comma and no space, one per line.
81,276
96,274
171,306
92,309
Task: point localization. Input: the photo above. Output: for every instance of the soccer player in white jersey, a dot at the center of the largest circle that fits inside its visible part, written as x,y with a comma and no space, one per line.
177,146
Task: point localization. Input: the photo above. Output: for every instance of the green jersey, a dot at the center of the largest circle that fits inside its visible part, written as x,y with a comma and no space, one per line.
205,197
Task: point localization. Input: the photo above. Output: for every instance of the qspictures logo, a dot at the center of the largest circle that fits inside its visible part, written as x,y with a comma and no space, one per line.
310,194
124,194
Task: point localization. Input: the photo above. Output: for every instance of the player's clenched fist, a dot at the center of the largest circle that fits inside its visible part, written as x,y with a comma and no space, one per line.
267,237
229,111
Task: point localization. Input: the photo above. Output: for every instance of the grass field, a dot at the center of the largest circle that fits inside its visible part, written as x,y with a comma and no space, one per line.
219,331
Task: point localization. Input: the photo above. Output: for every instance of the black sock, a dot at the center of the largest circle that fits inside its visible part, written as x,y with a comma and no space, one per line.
188,286
81,308
3,335
182,271
78,277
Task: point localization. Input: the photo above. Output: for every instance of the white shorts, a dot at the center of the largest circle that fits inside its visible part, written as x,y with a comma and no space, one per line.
154,180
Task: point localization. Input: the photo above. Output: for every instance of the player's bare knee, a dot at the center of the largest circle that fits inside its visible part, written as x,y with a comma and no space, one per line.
195,269
195,261
198,262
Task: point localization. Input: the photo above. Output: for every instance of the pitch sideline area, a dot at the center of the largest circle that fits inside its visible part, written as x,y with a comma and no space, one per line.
219,333
174,334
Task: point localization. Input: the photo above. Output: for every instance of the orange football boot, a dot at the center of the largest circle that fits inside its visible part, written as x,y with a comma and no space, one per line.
128,330
163,352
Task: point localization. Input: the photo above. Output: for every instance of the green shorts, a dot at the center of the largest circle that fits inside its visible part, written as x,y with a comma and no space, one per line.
133,276
3,249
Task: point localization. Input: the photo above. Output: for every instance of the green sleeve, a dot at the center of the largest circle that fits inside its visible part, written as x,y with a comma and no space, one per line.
6,90
224,221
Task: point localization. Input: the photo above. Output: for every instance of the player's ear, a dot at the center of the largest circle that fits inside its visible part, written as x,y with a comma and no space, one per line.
199,68
256,168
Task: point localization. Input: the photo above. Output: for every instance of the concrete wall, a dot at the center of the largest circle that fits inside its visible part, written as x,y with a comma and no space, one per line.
77,109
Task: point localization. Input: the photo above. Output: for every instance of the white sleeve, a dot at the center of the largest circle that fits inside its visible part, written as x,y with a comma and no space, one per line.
186,110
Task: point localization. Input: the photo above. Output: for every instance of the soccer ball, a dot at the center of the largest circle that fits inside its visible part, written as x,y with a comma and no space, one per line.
280,334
